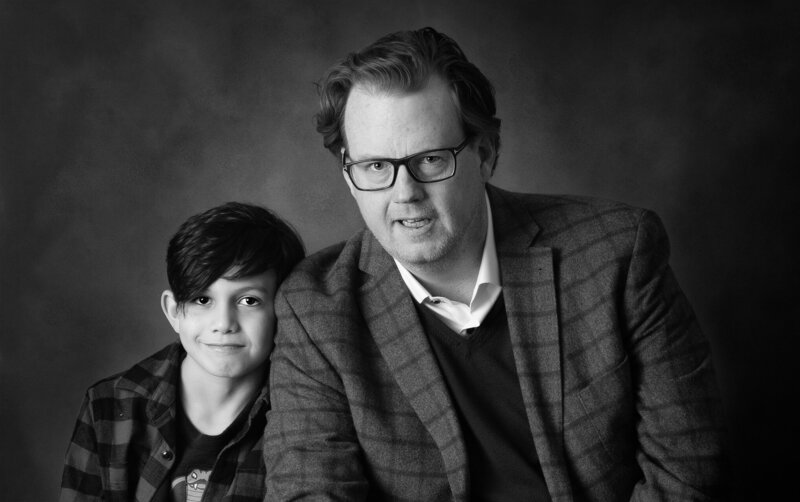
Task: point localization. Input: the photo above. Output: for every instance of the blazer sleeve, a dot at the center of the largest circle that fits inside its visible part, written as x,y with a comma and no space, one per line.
81,480
680,427
311,449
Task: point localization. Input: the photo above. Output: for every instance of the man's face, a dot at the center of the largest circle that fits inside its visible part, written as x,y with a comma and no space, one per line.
419,224
227,331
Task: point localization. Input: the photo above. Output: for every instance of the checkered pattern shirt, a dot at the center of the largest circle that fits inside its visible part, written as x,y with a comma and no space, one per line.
123,446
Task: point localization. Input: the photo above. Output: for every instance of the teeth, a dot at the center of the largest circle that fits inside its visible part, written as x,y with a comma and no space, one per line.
413,223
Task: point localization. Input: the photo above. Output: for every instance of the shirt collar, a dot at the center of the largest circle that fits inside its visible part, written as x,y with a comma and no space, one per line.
488,273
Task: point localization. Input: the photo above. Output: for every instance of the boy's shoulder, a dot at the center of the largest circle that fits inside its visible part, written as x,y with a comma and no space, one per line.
155,377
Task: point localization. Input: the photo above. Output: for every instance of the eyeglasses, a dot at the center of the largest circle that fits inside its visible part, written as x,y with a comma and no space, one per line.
429,166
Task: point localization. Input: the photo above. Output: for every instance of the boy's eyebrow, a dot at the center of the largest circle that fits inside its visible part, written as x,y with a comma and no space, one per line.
257,288
249,287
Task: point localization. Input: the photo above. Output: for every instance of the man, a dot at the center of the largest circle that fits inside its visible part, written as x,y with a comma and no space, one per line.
473,343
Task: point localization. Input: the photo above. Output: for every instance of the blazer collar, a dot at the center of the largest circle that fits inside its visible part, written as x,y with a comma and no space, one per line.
527,271
389,312
514,226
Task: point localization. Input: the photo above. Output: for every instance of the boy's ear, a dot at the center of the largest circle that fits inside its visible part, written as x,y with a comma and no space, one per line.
170,308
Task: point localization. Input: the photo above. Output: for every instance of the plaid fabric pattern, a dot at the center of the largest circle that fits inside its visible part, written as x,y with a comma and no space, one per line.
614,371
123,446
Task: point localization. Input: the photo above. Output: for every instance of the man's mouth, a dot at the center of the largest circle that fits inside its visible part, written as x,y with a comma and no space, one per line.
414,222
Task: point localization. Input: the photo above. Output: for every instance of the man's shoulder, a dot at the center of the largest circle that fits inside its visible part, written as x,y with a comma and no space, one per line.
569,217
328,270
549,206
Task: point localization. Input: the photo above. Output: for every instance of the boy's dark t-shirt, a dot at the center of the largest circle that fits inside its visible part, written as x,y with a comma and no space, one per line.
197,454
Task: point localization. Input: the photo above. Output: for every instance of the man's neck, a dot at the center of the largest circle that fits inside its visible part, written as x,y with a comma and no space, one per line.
455,282
213,403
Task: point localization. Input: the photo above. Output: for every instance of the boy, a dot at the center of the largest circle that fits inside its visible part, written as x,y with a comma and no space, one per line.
187,423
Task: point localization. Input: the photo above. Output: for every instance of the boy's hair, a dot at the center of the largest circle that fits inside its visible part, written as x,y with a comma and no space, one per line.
405,61
245,238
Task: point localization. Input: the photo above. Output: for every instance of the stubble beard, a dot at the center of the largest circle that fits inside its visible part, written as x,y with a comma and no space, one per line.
422,257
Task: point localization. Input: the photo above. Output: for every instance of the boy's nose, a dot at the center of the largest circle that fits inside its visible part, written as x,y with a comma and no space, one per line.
225,320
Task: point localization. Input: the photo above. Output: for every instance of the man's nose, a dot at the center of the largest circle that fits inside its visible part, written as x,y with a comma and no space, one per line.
225,319
406,188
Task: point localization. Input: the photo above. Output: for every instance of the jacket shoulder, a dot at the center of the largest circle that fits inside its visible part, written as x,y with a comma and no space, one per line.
546,207
328,271
142,379
579,219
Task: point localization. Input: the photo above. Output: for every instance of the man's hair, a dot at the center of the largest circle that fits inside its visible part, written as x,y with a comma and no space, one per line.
405,61
242,238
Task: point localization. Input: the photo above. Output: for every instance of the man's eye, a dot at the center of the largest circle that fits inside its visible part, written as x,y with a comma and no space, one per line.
432,159
377,166
250,301
202,300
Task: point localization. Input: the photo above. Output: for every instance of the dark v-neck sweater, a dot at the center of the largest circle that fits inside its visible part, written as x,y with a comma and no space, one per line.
482,378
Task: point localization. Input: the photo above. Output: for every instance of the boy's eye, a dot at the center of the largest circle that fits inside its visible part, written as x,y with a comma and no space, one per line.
250,301
202,300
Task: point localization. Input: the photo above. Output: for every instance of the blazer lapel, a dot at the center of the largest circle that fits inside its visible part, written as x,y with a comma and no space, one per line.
529,292
392,319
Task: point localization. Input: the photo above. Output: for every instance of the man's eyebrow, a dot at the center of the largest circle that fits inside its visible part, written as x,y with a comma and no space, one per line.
367,156
386,157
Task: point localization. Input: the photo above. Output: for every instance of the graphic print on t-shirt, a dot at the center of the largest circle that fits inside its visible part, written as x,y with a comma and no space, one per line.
190,488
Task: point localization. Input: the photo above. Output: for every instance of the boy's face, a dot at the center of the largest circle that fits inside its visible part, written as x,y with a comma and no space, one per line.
228,330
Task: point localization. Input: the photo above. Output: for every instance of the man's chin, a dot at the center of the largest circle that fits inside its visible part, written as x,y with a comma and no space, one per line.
415,255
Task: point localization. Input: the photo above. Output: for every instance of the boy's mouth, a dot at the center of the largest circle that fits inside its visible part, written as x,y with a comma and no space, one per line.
224,347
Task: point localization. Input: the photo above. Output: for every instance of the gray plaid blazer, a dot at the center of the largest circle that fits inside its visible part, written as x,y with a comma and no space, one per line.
615,375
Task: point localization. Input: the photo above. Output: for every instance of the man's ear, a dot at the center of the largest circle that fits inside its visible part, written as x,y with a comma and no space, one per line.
347,180
488,156
170,308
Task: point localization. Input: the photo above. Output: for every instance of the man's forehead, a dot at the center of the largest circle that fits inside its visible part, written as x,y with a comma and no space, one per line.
434,85
374,113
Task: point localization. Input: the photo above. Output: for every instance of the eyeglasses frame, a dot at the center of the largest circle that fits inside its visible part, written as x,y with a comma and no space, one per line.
396,163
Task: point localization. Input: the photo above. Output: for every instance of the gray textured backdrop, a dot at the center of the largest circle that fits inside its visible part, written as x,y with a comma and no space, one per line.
121,119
